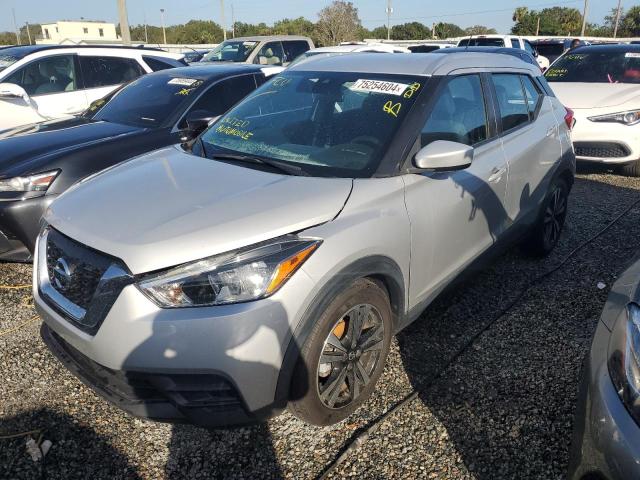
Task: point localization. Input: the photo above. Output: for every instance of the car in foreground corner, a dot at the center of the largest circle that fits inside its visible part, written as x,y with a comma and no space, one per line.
41,161
601,84
606,432
268,263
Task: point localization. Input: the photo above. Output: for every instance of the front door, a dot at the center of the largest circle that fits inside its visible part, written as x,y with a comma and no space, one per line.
455,215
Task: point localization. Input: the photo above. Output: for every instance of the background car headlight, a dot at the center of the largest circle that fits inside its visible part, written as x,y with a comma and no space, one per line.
32,183
624,359
239,276
627,118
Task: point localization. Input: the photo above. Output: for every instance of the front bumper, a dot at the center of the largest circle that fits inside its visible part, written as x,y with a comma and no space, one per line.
606,439
19,226
604,142
241,346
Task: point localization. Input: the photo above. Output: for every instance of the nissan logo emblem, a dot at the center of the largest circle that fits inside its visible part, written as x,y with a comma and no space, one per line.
61,274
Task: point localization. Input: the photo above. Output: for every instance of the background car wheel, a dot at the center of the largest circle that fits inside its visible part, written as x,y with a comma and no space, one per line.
344,355
545,234
631,169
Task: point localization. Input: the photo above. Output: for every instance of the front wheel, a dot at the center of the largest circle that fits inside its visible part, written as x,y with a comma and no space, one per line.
344,356
546,232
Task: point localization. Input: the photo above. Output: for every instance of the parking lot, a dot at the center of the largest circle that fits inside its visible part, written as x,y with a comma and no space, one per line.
501,409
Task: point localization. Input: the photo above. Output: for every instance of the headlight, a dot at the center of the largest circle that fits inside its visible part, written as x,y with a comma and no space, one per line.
32,183
240,276
627,118
624,359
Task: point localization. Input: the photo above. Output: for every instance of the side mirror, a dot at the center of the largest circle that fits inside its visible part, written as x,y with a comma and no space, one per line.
198,120
13,91
444,155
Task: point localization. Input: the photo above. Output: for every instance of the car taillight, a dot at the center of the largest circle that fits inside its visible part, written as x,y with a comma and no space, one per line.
568,118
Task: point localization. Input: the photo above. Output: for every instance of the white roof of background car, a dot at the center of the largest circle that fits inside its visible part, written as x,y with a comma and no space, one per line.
416,63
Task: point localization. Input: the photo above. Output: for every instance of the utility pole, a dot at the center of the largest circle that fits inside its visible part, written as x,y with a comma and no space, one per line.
28,32
618,12
15,26
389,12
224,26
538,26
233,22
125,33
164,32
584,17
144,19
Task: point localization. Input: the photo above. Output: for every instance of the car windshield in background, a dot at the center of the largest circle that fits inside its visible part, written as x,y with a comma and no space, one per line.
231,51
9,56
596,67
331,124
481,42
148,102
550,50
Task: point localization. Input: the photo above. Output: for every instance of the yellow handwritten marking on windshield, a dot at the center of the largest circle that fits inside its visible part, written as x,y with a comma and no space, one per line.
235,122
234,132
184,91
391,108
556,72
413,88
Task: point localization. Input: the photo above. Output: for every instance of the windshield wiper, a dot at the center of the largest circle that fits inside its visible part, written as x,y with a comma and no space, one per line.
282,166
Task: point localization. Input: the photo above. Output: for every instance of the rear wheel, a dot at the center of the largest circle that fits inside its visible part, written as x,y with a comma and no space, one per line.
545,234
631,169
344,356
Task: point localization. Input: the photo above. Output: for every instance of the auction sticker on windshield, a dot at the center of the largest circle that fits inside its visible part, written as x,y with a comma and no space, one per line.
377,86
187,82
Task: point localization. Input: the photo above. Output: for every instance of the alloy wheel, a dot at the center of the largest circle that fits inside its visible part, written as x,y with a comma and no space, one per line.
554,216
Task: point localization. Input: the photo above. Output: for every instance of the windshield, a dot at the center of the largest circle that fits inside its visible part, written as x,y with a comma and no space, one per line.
231,51
148,102
331,124
596,67
481,42
7,60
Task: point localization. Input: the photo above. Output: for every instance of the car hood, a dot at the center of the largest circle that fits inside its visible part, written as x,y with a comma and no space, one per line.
28,149
577,95
169,207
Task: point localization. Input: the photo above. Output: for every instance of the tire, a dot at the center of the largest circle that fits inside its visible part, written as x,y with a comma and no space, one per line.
327,393
546,232
631,169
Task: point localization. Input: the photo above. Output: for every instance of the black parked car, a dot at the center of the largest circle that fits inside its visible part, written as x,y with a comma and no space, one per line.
41,161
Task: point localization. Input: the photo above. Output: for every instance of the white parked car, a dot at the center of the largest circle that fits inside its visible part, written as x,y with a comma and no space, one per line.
347,48
601,84
509,41
40,82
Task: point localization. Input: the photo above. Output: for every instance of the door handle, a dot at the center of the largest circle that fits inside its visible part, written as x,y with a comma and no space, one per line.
496,174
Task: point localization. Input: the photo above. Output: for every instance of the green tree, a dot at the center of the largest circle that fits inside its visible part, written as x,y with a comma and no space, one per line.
553,21
410,31
339,22
480,30
379,32
297,26
630,23
448,30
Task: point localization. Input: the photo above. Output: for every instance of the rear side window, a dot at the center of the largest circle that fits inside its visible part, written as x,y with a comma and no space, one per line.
511,100
54,74
532,94
270,54
293,49
107,71
545,86
459,114
155,63
515,43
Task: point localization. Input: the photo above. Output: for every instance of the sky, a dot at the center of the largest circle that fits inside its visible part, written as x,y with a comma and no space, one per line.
492,13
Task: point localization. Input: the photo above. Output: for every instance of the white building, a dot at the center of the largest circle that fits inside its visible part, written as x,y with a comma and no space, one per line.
69,32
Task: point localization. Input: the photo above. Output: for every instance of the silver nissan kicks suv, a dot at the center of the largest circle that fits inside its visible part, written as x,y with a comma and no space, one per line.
269,262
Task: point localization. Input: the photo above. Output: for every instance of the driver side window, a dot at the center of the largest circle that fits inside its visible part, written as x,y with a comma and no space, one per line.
271,54
55,74
459,114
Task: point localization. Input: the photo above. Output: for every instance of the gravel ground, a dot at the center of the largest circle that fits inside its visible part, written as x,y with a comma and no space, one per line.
502,409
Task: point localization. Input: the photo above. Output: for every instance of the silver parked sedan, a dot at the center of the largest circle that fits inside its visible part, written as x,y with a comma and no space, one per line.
606,433
270,262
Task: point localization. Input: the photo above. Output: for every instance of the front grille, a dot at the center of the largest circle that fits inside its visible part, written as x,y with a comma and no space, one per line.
78,282
600,150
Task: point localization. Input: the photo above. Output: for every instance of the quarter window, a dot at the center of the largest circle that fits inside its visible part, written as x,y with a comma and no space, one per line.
459,114
511,100
55,74
106,71
532,94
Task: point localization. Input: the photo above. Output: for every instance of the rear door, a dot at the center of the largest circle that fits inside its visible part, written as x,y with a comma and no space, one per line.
102,74
530,139
456,215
